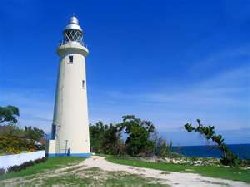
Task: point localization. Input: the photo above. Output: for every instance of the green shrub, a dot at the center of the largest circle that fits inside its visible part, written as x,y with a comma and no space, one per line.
25,165
2,171
14,144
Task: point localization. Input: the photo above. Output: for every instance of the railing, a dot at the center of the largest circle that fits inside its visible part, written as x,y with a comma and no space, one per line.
62,42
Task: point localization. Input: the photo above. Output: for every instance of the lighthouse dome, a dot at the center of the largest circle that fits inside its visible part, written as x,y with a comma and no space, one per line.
73,24
74,20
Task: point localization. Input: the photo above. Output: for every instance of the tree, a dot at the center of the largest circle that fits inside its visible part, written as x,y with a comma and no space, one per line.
133,136
96,136
11,130
9,114
227,157
112,140
138,131
105,138
34,133
162,148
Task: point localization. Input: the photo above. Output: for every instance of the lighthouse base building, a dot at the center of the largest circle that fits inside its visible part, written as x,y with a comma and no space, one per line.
70,128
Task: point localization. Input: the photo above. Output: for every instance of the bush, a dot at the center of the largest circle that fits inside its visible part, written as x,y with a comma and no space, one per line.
2,171
175,155
25,165
14,168
245,163
14,144
44,159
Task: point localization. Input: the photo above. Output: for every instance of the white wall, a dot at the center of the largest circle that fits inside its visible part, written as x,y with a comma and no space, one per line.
18,159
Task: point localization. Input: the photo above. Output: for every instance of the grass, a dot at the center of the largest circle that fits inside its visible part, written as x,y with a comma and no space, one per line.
73,176
132,180
51,163
69,180
236,174
94,176
97,177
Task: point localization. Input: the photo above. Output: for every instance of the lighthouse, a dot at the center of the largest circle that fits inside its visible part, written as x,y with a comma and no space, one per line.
70,127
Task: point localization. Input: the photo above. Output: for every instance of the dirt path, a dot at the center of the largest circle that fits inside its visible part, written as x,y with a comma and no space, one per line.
96,171
173,178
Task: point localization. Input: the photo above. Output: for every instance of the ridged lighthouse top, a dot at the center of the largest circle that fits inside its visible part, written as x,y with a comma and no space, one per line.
74,20
73,24
73,31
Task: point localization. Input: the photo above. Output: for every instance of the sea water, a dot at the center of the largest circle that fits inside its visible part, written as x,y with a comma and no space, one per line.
242,150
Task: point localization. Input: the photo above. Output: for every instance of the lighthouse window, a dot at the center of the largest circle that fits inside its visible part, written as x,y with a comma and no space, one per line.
71,59
83,84
53,133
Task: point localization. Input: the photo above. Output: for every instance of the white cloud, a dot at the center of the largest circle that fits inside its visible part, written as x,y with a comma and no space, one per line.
222,100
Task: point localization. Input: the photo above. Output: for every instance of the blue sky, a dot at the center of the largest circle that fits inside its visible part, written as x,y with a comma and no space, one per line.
170,62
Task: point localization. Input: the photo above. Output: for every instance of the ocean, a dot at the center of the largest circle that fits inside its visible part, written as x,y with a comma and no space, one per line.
242,150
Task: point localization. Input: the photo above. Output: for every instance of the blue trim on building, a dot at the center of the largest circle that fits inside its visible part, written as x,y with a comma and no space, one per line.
85,155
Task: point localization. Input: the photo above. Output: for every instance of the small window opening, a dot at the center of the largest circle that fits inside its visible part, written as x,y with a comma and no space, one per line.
53,133
83,84
71,59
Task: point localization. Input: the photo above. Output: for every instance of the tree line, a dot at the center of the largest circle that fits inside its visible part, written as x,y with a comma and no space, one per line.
133,136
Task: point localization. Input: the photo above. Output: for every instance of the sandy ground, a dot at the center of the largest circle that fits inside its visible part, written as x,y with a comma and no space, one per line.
173,178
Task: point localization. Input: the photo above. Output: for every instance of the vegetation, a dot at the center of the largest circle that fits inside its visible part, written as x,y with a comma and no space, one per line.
15,144
133,136
2,171
105,139
50,164
9,114
14,139
163,149
237,174
136,137
45,174
228,157
138,132
96,177
25,165
34,133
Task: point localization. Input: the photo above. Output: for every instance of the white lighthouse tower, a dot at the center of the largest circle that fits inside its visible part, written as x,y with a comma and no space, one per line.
70,128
